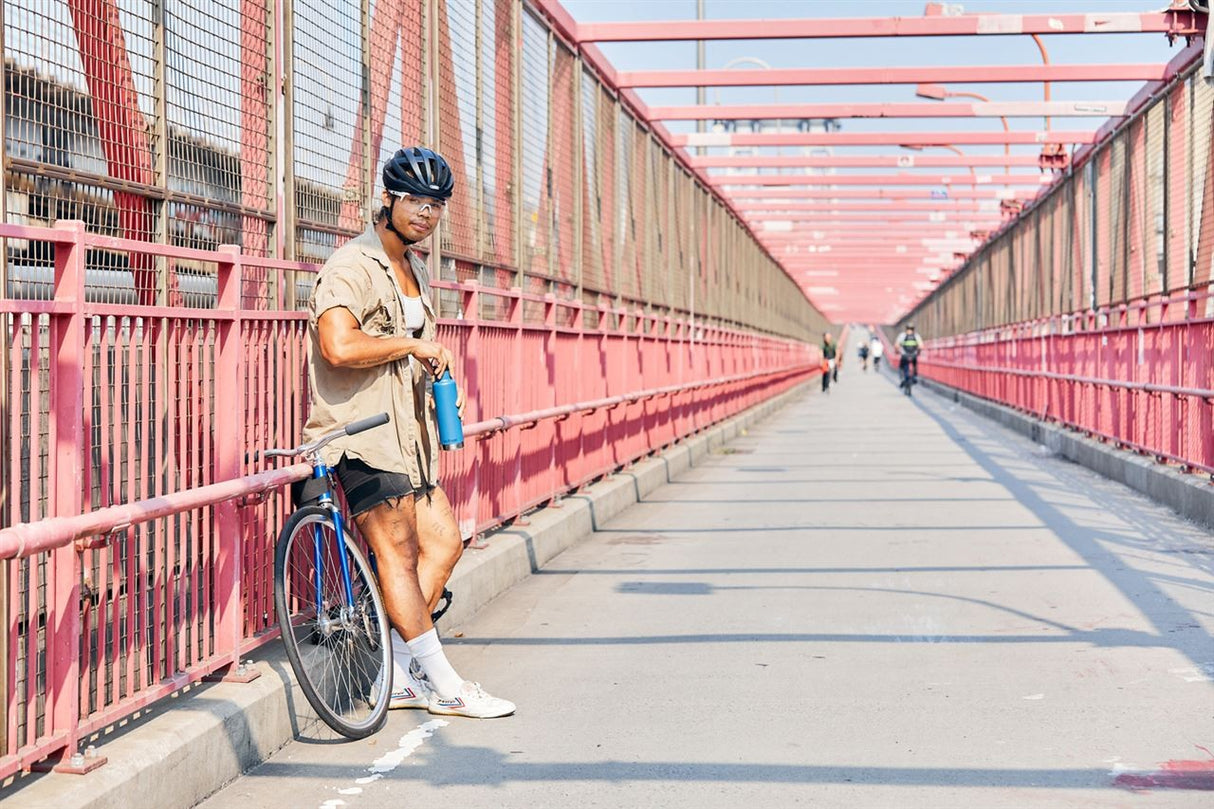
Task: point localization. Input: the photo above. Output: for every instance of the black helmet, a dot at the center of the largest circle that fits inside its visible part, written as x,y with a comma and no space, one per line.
418,170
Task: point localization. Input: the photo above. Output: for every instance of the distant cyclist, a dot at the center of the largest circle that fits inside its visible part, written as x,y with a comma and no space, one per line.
909,345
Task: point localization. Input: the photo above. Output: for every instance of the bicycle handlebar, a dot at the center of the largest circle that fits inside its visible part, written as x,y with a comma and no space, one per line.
353,428
366,424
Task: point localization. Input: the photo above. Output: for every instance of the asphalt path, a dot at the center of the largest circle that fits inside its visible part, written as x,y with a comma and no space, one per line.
867,601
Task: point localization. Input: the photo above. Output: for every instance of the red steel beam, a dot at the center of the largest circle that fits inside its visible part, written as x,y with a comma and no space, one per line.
813,212
806,231
849,237
830,230
899,205
770,197
876,251
727,180
896,233
836,139
950,74
861,161
926,109
1162,22
753,199
877,223
874,248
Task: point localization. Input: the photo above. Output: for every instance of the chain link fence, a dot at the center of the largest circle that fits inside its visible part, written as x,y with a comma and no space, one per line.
1133,222
199,124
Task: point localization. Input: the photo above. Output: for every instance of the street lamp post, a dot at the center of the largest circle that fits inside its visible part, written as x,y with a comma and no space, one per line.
938,92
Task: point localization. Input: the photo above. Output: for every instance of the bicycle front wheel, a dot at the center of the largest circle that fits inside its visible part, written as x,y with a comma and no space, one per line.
340,649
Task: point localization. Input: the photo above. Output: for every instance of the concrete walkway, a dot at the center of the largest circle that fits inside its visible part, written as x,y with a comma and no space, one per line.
867,601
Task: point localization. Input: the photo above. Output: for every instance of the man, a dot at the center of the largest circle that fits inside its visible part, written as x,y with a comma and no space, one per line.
829,355
909,346
371,348
877,349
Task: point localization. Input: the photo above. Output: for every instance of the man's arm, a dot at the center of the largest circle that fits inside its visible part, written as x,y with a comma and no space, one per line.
344,345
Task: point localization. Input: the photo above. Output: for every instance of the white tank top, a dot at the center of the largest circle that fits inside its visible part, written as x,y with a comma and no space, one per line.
415,312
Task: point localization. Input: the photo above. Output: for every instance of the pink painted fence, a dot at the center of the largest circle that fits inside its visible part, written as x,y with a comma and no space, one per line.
106,404
1139,375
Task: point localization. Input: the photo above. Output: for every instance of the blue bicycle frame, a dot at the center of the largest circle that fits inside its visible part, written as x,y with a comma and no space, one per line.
321,472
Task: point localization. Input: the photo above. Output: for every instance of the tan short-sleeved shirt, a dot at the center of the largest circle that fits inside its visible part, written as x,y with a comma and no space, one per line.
359,278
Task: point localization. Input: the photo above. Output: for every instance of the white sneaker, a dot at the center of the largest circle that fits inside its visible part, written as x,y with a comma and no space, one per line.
471,701
407,690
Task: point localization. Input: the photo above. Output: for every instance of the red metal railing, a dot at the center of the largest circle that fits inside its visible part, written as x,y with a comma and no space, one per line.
1139,375
141,554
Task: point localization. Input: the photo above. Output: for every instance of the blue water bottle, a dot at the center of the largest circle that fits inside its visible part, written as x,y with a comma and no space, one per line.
450,430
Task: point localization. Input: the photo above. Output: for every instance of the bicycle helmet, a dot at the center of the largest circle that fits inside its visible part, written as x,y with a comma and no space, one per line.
420,171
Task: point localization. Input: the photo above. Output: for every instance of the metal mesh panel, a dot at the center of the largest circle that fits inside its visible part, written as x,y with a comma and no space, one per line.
1121,215
79,93
1105,213
399,101
458,122
496,145
536,179
330,193
561,165
217,91
1179,149
1154,214
1201,200
1083,225
592,192
609,144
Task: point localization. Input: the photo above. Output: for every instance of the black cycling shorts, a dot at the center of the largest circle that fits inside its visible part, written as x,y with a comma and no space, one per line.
366,487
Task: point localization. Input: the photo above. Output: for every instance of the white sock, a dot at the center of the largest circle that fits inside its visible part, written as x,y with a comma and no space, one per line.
427,650
401,657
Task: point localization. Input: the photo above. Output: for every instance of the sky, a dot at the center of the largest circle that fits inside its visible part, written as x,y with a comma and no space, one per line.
883,52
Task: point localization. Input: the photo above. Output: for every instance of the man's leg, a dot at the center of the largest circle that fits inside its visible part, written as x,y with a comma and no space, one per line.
391,532
439,544
416,544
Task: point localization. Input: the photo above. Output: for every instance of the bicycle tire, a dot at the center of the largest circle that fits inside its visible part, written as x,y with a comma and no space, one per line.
343,662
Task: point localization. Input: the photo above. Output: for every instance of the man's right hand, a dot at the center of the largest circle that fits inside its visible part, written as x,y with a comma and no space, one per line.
435,358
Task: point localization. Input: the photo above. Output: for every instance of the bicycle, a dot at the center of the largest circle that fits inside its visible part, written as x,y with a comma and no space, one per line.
328,603
909,377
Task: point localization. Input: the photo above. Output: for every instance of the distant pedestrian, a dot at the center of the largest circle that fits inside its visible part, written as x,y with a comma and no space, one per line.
877,350
864,356
829,364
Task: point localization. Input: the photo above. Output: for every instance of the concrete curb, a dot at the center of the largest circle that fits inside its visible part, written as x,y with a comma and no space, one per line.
183,749
1189,495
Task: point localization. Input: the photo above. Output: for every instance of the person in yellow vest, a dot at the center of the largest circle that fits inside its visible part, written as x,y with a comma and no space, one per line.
909,345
